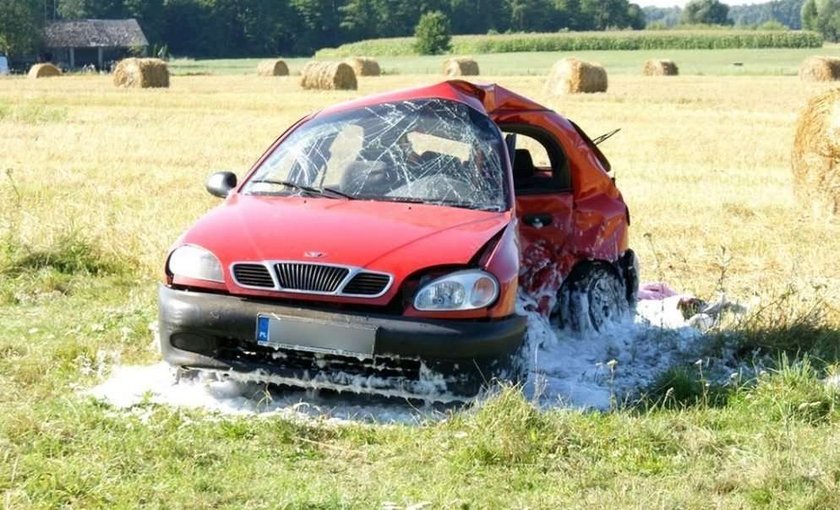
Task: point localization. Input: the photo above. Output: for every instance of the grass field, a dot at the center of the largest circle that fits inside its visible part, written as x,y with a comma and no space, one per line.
97,182
783,62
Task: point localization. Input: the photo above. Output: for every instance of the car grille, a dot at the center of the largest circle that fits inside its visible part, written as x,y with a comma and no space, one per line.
253,275
310,277
367,284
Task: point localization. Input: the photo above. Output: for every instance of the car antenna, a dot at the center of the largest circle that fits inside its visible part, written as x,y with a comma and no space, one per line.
605,136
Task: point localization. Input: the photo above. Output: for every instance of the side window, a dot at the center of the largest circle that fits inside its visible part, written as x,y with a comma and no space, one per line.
539,164
539,156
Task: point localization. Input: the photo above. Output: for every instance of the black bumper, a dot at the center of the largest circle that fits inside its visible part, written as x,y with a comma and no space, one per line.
213,331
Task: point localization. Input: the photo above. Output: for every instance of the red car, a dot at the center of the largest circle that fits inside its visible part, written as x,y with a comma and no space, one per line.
379,246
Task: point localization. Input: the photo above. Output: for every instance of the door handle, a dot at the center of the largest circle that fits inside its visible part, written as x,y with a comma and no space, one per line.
537,220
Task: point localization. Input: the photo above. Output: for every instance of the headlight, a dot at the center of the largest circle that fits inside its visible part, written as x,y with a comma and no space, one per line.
464,290
195,262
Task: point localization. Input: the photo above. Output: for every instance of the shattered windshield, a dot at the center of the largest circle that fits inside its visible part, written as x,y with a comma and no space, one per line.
427,151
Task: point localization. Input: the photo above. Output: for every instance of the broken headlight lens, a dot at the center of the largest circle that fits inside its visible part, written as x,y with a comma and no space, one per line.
463,290
190,261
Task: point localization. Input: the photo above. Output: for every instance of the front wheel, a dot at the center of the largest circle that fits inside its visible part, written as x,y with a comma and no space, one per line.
592,297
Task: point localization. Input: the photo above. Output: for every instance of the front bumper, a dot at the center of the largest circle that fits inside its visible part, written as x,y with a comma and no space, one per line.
407,356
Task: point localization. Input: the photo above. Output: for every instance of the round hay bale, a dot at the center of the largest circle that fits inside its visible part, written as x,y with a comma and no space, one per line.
820,69
572,76
364,66
815,160
43,71
141,73
328,76
660,68
460,67
275,67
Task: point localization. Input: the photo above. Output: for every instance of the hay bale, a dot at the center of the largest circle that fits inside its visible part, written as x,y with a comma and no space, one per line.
660,68
460,67
572,76
364,66
815,160
820,69
328,76
141,73
276,67
43,71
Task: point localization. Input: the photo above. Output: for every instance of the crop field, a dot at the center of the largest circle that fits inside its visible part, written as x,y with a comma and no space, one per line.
96,182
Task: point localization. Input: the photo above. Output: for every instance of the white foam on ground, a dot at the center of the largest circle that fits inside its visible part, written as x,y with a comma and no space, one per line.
597,370
594,370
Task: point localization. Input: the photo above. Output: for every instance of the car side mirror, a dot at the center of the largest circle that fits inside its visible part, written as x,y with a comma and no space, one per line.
220,184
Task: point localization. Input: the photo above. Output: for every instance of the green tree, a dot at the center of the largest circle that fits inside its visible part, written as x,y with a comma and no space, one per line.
636,17
532,15
80,9
433,34
809,15
20,26
363,19
317,23
822,16
706,12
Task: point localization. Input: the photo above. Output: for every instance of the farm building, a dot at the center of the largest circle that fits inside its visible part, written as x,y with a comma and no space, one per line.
79,43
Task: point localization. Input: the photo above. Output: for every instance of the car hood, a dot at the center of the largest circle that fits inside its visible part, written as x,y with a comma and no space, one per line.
389,236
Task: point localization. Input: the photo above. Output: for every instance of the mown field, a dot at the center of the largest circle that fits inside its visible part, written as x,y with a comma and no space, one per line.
735,62
96,182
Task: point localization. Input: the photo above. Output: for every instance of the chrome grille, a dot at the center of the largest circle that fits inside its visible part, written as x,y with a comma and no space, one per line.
310,277
367,284
253,275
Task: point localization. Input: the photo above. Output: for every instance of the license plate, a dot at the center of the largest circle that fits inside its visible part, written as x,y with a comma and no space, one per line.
315,336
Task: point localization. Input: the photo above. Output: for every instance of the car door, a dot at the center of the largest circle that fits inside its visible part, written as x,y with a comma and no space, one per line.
544,204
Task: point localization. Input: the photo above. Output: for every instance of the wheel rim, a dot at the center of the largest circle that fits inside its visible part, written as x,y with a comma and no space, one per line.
603,301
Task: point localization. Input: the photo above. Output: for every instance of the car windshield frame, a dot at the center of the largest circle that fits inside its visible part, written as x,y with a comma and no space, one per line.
433,151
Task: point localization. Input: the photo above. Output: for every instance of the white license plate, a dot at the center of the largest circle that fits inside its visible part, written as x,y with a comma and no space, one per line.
317,336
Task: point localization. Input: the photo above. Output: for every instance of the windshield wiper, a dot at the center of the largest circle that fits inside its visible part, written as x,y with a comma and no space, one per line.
323,192
410,200
338,193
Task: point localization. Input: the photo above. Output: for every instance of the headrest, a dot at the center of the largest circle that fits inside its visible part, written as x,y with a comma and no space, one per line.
523,165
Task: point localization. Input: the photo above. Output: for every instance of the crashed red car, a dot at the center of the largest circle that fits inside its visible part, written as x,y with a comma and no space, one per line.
379,246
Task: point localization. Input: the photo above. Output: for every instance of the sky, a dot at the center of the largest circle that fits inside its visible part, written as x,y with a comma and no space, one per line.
681,3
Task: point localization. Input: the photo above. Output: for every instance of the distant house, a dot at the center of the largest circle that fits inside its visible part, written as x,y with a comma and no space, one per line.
79,43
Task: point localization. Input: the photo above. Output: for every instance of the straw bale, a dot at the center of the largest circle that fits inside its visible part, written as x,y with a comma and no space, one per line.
572,76
460,66
364,66
328,76
820,69
141,73
46,70
815,160
276,67
660,68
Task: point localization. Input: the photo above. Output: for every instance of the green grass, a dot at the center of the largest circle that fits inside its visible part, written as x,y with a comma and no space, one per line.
691,62
767,442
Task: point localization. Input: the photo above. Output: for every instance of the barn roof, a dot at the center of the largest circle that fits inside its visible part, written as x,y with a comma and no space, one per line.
94,33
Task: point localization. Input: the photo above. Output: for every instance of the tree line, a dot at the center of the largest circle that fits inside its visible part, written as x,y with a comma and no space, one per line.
783,12
235,28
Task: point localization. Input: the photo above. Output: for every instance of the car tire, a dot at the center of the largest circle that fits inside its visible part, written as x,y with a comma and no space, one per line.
593,296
